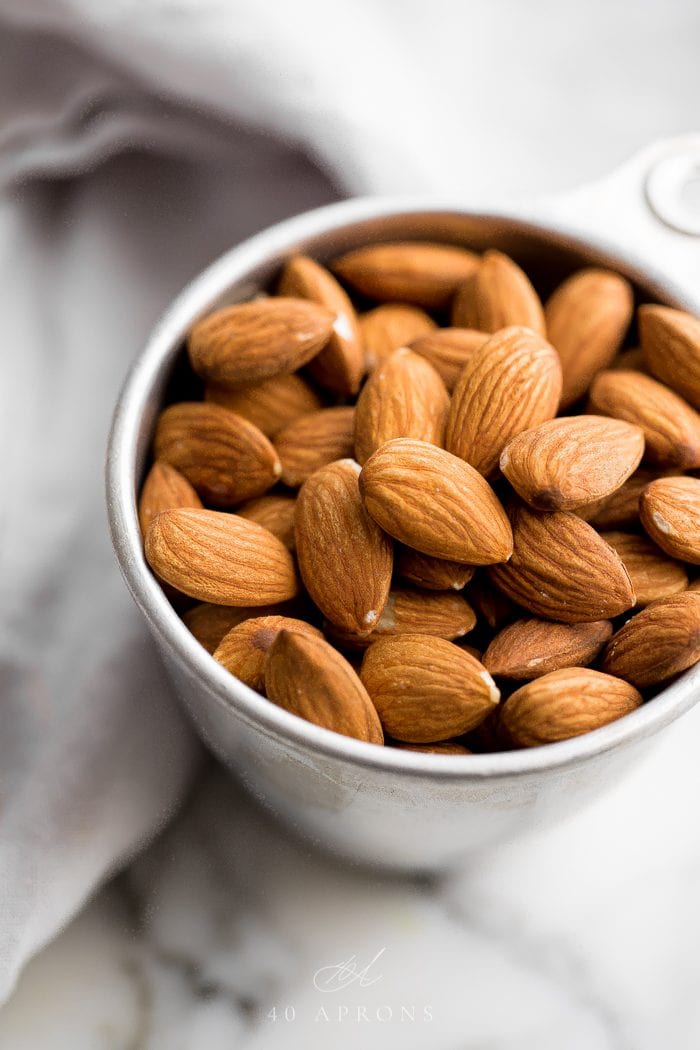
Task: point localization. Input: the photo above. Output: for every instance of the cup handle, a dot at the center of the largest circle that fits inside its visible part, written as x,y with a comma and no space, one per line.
647,211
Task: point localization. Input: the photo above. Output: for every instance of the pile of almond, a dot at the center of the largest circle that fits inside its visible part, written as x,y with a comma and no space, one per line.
438,515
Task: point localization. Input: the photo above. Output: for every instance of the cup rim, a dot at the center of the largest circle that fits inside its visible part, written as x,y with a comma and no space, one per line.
164,342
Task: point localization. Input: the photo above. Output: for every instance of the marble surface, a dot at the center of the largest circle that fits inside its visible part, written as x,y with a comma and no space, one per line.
227,933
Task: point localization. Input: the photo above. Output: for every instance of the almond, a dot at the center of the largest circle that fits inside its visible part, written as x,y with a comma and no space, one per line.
270,404
531,648
403,397
341,363
225,457
220,558
510,384
426,689
462,520
313,441
561,569
671,343
567,463
432,574
275,513
621,509
251,341
448,350
670,513
307,676
659,642
243,649
389,327
497,295
407,611
408,271
671,427
564,704
164,489
344,557
209,623
653,575
587,317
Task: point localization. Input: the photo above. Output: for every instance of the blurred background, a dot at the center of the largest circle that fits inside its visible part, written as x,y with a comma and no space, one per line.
137,142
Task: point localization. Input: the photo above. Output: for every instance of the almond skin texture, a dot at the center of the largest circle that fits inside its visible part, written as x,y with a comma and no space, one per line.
345,559
426,689
659,642
225,457
497,295
408,611
389,327
270,404
340,365
164,489
561,569
309,678
313,441
209,623
512,383
410,271
220,558
670,513
671,343
531,648
564,704
570,462
251,341
587,317
671,427
653,575
243,649
432,574
273,512
621,509
462,520
403,397
448,350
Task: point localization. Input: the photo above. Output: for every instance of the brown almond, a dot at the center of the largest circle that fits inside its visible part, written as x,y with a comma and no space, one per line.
220,558
671,343
164,489
565,704
671,427
670,513
653,575
587,317
432,574
531,648
345,559
309,678
389,327
270,403
251,341
567,463
243,649
403,397
209,623
621,509
225,457
340,365
426,689
562,570
462,520
313,441
274,512
659,642
512,383
407,611
497,295
448,350
407,271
